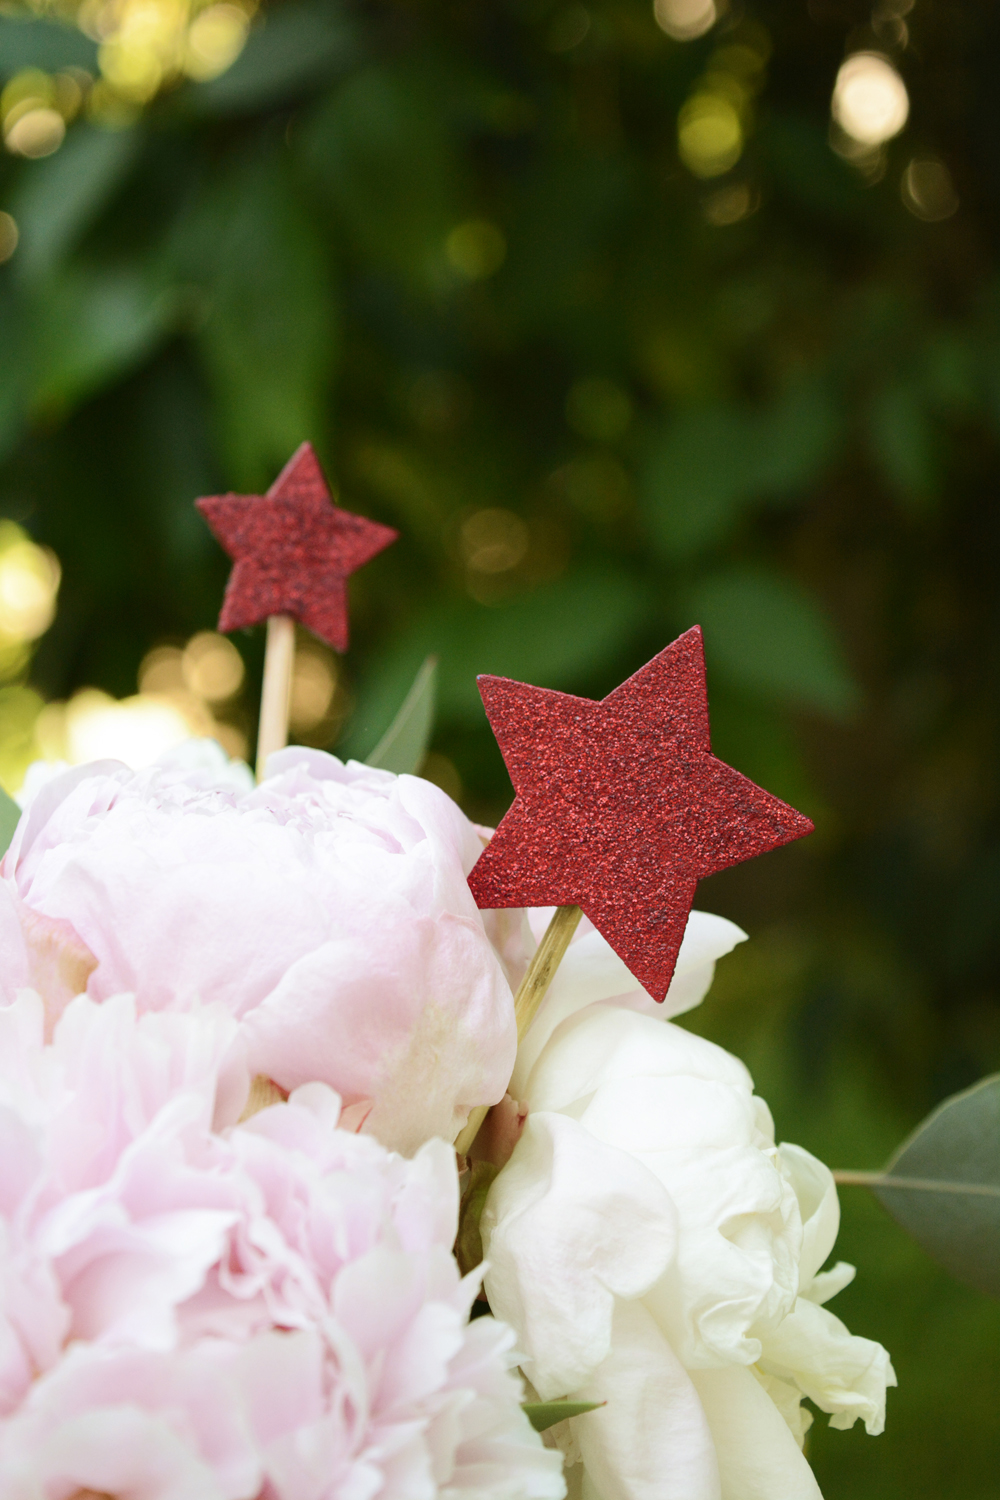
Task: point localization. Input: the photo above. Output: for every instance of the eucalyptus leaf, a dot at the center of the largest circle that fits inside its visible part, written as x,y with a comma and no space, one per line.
404,745
543,1414
9,815
943,1185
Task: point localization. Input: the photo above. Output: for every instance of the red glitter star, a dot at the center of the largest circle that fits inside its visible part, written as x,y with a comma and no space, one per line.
621,807
293,550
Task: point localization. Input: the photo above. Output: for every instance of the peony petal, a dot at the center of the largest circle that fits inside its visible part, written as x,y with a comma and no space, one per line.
819,1206
652,1440
569,1225
843,1374
759,1458
592,972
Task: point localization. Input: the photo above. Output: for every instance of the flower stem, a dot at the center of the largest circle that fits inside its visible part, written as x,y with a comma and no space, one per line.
530,994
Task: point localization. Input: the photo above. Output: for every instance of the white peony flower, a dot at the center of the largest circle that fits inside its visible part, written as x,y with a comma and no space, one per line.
656,1250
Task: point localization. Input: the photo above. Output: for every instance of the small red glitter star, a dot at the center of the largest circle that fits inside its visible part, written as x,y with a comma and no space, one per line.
621,807
293,550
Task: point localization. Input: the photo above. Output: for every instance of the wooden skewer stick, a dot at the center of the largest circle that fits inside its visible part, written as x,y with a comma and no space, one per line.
276,694
530,994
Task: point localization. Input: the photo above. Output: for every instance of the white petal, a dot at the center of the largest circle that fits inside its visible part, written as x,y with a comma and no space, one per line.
592,972
604,1043
816,1191
652,1440
759,1458
569,1224
845,1375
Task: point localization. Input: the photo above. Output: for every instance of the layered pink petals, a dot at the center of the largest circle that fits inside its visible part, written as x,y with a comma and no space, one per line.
327,909
268,1311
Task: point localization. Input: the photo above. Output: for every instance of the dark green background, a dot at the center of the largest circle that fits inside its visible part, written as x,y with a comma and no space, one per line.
809,470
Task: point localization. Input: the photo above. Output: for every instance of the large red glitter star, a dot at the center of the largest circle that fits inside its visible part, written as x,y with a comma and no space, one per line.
293,550
621,807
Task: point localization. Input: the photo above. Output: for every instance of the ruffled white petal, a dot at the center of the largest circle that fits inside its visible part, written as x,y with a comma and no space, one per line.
844,1374
569,1225
759,1458
652,1440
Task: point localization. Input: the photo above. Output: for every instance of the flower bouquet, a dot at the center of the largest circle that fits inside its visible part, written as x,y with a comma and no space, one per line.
350,1150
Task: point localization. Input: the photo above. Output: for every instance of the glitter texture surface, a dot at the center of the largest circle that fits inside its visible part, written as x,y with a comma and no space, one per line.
293,551
621,807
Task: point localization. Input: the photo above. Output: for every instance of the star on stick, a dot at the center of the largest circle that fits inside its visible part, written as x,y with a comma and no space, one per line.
293,551
621,807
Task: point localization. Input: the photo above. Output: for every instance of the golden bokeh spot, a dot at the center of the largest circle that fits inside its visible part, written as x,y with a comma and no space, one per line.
214,41
493,540
685,19
709,134
870,102
29,583
928,191
314,683
211,667
476,249
9,236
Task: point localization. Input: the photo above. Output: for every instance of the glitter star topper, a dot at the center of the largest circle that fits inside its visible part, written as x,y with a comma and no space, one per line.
293,551
621,807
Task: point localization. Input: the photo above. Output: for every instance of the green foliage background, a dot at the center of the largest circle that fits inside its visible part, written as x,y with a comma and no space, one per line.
784,427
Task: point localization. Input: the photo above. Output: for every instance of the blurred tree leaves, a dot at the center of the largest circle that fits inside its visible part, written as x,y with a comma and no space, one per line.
296,47
382,148
715,460
767,634
63,194
267,334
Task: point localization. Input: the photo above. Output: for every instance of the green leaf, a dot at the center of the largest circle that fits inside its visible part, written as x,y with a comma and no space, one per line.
716,460
404,745
268,341
766,634
943,1185
903,443
382,150
469,1240
60,197
556,636
294,48
10,815
91,326
49,45
543,1414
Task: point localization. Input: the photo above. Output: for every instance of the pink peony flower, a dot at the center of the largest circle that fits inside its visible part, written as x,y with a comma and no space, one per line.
327,909
269,1312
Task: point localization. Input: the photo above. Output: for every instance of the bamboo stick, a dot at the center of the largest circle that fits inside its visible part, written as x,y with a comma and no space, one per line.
276,694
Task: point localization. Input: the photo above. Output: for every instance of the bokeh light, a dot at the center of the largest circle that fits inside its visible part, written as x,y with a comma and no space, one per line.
211,667
476,249
870,102
493,540
32,122
9,236
709,134
685,19
94,726
314,683
928,191
29,583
